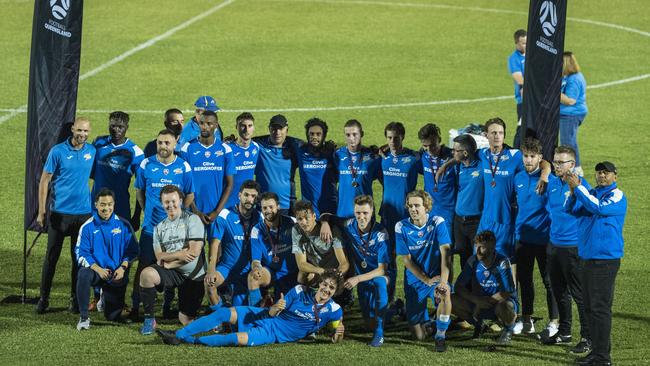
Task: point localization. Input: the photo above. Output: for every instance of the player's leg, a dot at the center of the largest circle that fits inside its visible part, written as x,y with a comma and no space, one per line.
207,323
574,285
213,295
73,232
55,237
190,297
86,278
380,287
146,258
525,254
114,294
150,278
443,313
541,256
257,279
462,308
416,308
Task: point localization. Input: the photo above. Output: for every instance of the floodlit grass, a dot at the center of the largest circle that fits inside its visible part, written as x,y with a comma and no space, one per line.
280,55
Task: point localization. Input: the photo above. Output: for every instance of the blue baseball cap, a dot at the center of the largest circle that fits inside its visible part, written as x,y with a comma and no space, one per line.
207,102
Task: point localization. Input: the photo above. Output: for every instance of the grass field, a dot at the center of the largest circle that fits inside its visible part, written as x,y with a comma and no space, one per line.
376,61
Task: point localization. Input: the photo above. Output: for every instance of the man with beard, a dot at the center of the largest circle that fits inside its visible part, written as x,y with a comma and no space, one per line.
68,168
245,152
316,167
173,121
272,263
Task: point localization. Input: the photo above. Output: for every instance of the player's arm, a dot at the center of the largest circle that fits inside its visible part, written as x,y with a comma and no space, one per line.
140,197
189,200
339,330
545,166
277,308
224,198
518,77
43,188
353,281
306,267
445,263
213,257
344,265
415,269
444,167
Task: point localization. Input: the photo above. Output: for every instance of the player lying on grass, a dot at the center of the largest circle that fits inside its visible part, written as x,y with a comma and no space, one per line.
301,312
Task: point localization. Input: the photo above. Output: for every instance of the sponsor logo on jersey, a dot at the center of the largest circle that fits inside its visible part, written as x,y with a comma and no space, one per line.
88,156
165,171
116,231
178,171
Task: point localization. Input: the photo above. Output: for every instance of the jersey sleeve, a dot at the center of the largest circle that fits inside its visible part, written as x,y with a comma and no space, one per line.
229,161
52,161
83,250
442,234
138,156
514,65
140,182
336,313
219,225
257,247
132,249
505,272
382,247
196,229
156,240
188,182
401,247
296,248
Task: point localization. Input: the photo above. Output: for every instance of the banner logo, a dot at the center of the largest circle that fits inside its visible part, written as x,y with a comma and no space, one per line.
59,11
548,17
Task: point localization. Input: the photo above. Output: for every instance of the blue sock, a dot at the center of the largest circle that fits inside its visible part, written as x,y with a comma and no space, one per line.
254,297
219,340
381,293
203,324
442,323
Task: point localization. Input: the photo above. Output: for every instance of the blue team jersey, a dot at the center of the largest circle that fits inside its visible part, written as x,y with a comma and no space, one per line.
470,189
488,280
575,87
210,166
192,131
423,244
276,168
229,229
564,225
499,185
368,250
399,177
532,222
273,247
70,169
152,177
444,193
245,161
356,172
516,63
114,167
302,315
317,179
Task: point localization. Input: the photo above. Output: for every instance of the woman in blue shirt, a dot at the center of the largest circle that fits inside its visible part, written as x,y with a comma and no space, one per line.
573,104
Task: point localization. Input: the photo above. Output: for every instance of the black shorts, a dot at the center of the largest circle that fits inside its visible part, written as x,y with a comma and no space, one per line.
190,292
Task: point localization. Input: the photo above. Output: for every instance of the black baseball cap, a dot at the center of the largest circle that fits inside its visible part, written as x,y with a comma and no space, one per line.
607,166
278,121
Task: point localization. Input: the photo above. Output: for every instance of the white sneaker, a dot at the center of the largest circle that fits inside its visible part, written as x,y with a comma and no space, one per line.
519,326
83,324
528,328
548,332
100,303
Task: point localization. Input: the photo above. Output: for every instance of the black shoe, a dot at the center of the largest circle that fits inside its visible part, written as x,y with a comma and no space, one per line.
74,306
558,339
41,306
441,346
586,360
583,346
168,337
479,328
169,313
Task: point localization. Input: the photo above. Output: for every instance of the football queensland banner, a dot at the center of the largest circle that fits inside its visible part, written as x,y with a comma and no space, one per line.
53,80
543,72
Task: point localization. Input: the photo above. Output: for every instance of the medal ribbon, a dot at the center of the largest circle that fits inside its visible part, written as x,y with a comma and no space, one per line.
366,243
353,170
434,170
274,242
493,170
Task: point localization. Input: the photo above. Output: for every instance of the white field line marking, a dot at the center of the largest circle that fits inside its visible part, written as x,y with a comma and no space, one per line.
133,51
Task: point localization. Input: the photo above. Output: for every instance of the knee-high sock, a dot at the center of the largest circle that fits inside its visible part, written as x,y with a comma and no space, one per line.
381,302
219,340
203,324
442,323
148,296
254,297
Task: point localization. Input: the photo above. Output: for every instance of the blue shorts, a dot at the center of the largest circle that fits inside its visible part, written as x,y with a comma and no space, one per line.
505,235
367,294
251,320
236,284
416,295
490,314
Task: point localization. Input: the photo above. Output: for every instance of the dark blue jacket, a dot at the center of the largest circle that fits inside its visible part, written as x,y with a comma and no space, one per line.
107,243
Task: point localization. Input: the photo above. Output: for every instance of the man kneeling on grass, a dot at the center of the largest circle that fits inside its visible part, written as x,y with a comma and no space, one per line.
485,289
301,312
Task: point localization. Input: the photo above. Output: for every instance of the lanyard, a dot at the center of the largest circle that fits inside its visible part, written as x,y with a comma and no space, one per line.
316,309
366,243
434,169
276,241
353,170
493,170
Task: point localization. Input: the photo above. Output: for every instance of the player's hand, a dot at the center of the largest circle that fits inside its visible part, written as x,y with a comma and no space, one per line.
440,173
442,289
351,283
541,186
278,306
572,180
186,256
135,222
325,232
210,278
213,215
40,219
204,218
257,273
103,273
118,274
338,333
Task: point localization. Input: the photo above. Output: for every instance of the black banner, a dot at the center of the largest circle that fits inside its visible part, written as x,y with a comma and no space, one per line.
543,72
53,80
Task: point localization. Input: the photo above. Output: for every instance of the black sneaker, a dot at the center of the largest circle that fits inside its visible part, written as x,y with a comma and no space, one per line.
168,337
441,346
583,346
558,339
586,360
170,313
41,306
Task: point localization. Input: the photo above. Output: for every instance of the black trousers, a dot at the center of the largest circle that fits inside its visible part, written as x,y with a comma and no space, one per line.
60,226
565,272
598,288
113,291
526,255
464,232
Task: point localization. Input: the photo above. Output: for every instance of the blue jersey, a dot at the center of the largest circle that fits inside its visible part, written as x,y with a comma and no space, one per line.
516,63
107,243
356,172
318,179
210,166
399,177
152,177
575,87
302,315
564,225
70,169
423,244
499,184
192,131
470,189
368,250
276,168
532,223
114,167
245,161
484,280
272,247
233,231
443,193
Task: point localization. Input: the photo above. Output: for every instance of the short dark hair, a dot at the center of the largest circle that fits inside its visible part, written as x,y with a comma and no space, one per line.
486,237
333,274
364,199
316,122
244,116
495,121
565,149
430,131
207,113
303,205
119,116
105,192
269,196
396,127
519,33
466,142
171,111
354,123
250,184
167,131
170,188
532,146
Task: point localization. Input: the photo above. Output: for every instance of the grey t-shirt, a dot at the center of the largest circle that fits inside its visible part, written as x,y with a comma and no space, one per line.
319,253
173,235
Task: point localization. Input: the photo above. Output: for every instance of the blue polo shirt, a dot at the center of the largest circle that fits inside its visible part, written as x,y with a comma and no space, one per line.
575,87
245,161
318,179
362,167
70,169
276,168
470,189
516,63
532,222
